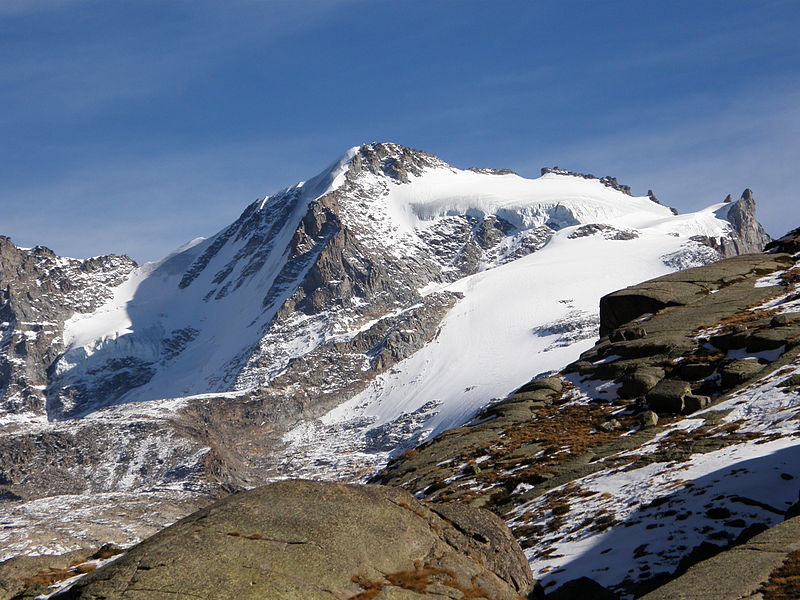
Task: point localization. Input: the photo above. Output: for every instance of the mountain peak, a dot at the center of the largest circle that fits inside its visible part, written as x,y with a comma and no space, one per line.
742,217
393,160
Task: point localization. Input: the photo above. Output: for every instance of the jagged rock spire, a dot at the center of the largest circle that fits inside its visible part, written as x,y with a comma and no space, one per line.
742,216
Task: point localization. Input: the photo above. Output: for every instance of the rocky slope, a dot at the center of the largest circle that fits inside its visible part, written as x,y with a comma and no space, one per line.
303,540
39,291
314,336
672,439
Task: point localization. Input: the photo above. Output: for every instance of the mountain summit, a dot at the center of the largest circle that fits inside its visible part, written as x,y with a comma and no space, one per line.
384,300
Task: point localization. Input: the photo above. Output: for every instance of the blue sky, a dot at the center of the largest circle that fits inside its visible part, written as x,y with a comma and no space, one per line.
134,126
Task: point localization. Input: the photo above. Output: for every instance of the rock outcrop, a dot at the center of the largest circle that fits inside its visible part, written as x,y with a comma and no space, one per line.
742,216
748,236
651,442
607,181
39,291
742,572
303,540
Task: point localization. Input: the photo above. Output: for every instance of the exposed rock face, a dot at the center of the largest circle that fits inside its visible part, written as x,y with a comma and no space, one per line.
607,180
306,540
742,215
748,234
38,292
789,243
685,288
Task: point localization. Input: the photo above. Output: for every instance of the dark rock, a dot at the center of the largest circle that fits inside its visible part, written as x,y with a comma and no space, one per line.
106,551
731,340
739,371
692,403
553,384
791,381
607,181
607,231
768,339
694,371
668,396
641,381
789,243
582,589
718,513
780,321
667,345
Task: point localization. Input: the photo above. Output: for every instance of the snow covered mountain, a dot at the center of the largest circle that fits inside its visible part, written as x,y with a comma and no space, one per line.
672,440
384,300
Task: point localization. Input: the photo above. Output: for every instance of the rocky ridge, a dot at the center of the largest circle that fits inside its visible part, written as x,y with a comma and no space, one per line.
670,440
38,292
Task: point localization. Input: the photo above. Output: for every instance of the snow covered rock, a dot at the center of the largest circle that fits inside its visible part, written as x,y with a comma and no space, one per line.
634,506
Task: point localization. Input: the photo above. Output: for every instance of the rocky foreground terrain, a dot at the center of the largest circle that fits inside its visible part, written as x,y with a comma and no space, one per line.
673,438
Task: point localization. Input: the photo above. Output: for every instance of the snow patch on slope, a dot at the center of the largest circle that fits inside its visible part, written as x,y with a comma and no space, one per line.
511,324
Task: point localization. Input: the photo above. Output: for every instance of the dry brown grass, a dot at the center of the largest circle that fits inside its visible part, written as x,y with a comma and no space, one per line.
417,580
85,568
53,576
49,577
746,317
791,277
563,431
784,582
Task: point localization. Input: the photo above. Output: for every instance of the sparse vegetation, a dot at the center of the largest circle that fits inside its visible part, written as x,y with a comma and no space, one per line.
417,580
784,583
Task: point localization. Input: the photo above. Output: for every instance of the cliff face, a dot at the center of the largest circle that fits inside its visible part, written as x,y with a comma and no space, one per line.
747,234
39,291
742,216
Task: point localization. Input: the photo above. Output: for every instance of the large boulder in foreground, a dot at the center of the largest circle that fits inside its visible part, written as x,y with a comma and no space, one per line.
303,540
